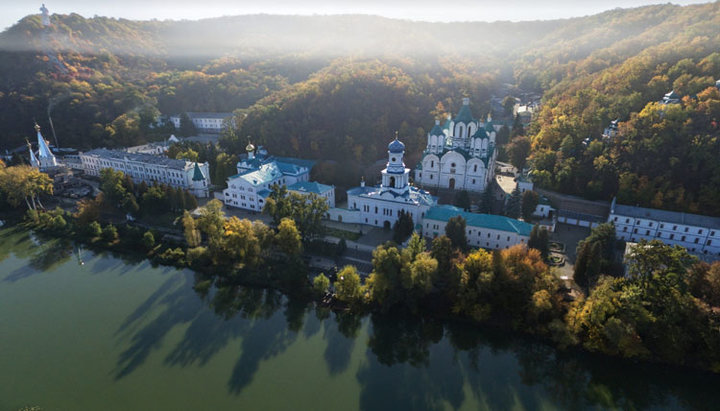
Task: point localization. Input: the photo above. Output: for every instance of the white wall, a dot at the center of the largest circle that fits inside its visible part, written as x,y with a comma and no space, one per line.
478,237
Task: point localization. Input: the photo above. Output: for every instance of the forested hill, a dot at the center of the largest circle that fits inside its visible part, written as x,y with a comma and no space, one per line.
338,86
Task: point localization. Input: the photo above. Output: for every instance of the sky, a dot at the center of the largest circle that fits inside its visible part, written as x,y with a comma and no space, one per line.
425,10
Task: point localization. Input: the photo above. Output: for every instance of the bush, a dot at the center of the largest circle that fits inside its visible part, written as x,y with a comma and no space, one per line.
173,256
110,233
320,285
148,240
94,229
198,257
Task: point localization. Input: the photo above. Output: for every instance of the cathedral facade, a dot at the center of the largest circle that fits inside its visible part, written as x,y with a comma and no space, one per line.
460,154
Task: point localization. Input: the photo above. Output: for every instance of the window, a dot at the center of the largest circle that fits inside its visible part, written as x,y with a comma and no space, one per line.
672,236
674,227
627,221
709,242
475,168
696,240
651,224
625,229
712,233
682,238
662,225
615,218
432,163
686,229
699,231
635,231
647,232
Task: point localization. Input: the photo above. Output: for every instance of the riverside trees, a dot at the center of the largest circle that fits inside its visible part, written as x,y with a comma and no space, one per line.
20,184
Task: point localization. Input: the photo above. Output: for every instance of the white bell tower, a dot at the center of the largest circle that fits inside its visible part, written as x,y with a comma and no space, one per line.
395,176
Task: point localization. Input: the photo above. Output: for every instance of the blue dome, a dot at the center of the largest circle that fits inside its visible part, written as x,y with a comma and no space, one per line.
396,146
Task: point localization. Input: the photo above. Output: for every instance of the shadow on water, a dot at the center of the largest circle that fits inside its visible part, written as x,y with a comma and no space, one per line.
43,257
267,337
415,363
340,336
179,305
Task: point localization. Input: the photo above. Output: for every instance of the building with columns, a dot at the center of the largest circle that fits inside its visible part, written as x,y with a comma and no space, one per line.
380,206
460,154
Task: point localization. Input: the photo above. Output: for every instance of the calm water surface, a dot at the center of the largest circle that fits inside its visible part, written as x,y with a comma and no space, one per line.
115,334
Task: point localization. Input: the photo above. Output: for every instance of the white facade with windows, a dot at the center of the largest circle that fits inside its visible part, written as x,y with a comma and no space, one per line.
700,235
151,169
381,206
207,122
459,155
482,230
257,173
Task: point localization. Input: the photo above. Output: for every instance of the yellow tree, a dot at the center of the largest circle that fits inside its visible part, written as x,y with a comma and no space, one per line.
24,183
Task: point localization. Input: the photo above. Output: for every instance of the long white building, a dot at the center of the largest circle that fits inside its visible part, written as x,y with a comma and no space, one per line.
460,155
380,206
482,230
699,234
152,169
206,122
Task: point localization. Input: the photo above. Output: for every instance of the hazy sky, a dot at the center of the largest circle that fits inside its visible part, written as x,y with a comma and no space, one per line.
428,10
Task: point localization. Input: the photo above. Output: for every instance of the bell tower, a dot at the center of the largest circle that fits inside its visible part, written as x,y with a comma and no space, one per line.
395,176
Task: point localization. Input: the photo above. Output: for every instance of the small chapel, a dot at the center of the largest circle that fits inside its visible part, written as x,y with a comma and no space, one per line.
460,154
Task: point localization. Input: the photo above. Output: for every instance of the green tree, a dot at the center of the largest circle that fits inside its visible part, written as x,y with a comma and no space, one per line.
288,238
192,234
455,231
148,240
115,192
512,206
110,233
348,287
306,210
530,201
403,227
187,128
462,200
321,284
596,255
539,240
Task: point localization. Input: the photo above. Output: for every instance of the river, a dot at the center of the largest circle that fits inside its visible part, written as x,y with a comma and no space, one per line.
119,334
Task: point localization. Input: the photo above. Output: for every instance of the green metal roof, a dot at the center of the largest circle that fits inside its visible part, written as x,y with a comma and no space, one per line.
464,115
490,221
197,174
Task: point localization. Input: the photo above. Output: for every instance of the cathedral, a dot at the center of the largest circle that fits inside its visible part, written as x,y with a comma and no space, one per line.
460,155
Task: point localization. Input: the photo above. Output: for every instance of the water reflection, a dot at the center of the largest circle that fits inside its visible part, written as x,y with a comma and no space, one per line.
407,361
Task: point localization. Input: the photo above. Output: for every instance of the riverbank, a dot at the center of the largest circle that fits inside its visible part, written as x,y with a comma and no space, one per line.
513,287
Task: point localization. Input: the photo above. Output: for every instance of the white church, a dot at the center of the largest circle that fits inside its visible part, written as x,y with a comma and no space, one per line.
380,206
460,155
44,160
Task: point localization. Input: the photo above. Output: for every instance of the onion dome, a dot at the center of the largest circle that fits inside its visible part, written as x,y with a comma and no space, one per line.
396,146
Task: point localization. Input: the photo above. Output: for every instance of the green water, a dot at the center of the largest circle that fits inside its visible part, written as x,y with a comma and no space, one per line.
114,334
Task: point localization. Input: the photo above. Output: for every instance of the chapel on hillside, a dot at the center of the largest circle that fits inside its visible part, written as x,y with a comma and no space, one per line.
460,154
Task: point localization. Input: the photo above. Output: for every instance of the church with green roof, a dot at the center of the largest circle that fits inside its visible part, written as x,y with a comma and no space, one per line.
460,154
